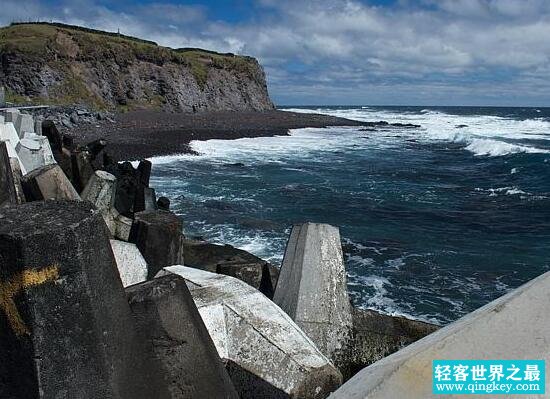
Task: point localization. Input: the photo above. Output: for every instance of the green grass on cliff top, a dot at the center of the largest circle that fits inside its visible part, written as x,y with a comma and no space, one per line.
56,43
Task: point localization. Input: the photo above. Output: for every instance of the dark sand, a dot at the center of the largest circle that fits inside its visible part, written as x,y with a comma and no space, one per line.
143,134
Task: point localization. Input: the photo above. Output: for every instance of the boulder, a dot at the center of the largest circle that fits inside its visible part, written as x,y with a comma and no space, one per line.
312,288
166,313
48,182
266,353
130,263
66,329
8,194
163,203
158,235
514,326
231,261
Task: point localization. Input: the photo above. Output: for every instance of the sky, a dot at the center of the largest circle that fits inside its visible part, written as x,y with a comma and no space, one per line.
343,52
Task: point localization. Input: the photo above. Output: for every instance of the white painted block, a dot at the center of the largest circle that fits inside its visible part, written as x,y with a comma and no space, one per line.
131,265
253,333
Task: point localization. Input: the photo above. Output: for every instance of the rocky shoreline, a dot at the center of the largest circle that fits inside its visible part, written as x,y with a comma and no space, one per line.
144,134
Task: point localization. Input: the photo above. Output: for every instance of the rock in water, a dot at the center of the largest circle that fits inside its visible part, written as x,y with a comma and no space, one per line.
312,288
266,353
158,235
66,329
165,311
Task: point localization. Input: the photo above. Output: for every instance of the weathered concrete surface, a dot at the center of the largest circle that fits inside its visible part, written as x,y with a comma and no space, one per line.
82,169
48,182
130,263
312,287
231,261
8,194
66,329
267,354
514,326
24,123
376,335
34,151
8,133
158,235
165,311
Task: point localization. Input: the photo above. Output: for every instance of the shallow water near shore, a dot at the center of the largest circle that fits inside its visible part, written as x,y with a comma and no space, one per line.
436,221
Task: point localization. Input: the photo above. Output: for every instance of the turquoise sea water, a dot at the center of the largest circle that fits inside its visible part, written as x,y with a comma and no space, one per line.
435,221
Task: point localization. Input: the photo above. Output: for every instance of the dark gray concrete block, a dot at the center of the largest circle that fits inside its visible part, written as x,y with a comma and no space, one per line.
166,313
8,194
158,235
66,329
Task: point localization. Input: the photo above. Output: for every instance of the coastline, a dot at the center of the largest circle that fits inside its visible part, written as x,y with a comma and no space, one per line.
144,134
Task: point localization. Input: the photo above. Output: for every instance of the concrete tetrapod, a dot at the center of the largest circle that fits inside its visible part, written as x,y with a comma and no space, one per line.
312,288
130,263
266,353
514,326
166,313
48,182
66,329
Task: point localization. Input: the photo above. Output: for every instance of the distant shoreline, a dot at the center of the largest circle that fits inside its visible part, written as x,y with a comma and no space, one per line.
145,134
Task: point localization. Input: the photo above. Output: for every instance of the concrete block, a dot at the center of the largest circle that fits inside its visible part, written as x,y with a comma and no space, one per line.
158,235
100,190
38,126
17,178
130,263
66,329
11,115
376,335
48,182
82,169
123,226
8,133
150,199
24,123
34,152
8,194
231,261
312,288
266,353
165,311
514,326
61,152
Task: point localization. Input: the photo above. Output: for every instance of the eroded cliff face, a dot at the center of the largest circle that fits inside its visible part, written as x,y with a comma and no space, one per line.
57,64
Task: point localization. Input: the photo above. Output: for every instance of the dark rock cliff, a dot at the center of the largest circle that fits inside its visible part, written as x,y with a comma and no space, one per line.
61,64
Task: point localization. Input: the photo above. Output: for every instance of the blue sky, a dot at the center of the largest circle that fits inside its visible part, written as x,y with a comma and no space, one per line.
400,52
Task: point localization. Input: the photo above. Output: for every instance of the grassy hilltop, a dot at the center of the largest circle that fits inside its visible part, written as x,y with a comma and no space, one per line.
57,63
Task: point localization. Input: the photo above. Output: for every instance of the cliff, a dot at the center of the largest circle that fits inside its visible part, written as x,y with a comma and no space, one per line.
62,64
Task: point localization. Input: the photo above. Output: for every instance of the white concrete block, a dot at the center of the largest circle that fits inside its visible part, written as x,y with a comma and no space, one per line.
100,190
13,155
515,326
130,263
312,288
255,337
8,133
24,123
34,152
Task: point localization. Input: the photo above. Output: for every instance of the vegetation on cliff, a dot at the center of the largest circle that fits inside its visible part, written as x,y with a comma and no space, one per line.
64,64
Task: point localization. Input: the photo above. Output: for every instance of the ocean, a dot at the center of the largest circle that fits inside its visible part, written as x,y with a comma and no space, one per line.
435,221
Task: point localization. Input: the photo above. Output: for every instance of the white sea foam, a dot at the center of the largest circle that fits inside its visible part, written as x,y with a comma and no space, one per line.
481,134
495,148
